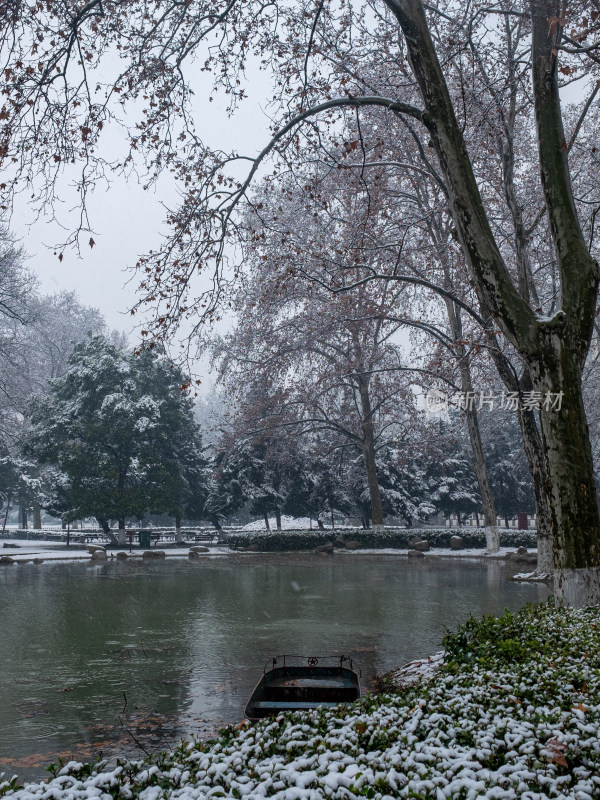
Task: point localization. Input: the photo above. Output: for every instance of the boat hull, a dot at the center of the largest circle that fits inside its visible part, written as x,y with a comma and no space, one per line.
296,688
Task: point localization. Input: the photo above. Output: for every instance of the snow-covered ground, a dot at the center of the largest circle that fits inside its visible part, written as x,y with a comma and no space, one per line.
513,713
287,524
415,672
26,551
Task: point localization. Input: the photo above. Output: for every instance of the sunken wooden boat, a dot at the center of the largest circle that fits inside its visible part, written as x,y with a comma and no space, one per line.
296,683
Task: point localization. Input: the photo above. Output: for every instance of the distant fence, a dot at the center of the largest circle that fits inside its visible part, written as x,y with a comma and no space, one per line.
291,539
58,534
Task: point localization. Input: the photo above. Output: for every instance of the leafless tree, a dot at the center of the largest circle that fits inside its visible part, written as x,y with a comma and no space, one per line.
333,356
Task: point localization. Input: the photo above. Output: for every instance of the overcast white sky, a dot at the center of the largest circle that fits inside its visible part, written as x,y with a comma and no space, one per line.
127,220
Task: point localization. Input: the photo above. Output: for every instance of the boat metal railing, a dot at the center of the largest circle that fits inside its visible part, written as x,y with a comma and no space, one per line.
311,661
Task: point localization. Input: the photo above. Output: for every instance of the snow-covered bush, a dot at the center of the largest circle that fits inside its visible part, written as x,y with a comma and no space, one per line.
401,539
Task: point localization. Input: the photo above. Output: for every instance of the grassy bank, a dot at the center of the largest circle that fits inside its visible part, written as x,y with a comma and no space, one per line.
514,712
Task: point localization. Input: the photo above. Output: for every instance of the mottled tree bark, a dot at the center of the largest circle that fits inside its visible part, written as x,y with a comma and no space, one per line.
570,478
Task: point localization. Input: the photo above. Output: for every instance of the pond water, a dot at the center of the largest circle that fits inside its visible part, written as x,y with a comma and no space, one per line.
127,658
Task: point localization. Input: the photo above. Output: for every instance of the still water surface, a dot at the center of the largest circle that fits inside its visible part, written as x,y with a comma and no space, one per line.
113,658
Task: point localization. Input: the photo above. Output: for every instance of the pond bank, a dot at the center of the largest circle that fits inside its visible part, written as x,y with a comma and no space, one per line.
24,551
512,712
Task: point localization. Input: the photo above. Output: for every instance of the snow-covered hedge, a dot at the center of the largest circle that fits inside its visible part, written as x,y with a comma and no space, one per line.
437,537
514,712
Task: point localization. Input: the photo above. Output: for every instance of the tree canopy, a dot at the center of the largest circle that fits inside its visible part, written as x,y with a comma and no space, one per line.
121,430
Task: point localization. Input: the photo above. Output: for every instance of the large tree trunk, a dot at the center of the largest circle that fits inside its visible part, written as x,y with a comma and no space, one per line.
570,476
373,484
266,519
103,522
368,448
178,534
8,502
122,537
37,519
278,518
22,517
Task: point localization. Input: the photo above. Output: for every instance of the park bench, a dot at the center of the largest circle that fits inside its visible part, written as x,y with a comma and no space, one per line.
208,537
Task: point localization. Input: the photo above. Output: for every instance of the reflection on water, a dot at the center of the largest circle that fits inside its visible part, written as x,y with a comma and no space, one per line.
121,658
